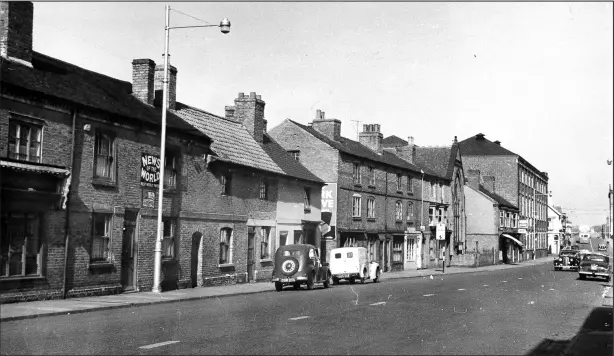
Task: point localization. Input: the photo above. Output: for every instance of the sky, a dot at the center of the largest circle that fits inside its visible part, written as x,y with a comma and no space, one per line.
536,76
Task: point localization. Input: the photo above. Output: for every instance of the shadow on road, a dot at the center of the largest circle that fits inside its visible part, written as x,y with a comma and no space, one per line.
594,338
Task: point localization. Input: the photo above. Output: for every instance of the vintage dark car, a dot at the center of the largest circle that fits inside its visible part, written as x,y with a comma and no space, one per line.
595,265
568,259
297,265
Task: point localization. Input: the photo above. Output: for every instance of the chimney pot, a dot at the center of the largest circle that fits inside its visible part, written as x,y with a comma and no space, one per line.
258,97
371,137
241,95
252,95
318,114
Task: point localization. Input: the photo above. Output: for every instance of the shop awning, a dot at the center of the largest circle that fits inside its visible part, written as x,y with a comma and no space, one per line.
18,166
513,239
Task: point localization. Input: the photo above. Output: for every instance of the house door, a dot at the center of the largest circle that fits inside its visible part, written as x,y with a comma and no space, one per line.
128,247
250,253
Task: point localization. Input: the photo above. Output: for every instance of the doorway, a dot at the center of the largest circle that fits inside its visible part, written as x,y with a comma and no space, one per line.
128,249
251,232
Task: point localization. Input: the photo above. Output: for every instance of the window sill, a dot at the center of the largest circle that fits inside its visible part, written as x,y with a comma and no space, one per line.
399,192
356,218
100,265
370,219
104,182
371,186
266,260
357,185
21,278
226,265
169,261
410,193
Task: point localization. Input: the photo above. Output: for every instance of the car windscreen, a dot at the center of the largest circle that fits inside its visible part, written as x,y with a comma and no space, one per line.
567,254
294,253
595,258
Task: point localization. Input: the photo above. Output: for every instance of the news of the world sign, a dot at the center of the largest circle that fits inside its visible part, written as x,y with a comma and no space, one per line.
150,169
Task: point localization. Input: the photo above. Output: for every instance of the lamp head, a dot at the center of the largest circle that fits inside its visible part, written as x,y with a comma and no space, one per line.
225,26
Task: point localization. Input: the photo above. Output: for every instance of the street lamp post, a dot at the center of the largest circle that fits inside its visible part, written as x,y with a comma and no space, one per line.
225,28
610,205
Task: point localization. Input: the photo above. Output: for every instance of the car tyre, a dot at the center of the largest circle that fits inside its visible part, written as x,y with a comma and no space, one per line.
582,276
335,281
279,286
377,276
296,286
352,280
327,281
310,282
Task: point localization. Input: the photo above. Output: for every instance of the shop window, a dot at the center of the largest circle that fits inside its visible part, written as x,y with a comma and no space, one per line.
397,251
283,238
168,238
104,151
20,245
265,243
101,237
371,208
24,141
356,202
411,249
226,238
398,211
170,170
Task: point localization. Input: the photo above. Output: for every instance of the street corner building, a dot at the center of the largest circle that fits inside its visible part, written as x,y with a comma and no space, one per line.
80,165
377,196
520,184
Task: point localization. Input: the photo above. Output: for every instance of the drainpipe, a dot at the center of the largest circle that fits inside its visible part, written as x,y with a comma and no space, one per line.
67,225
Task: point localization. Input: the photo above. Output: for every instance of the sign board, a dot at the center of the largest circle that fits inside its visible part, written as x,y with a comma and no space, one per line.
523,223
522,231
329,209
149,199
411,230
150,170
440,231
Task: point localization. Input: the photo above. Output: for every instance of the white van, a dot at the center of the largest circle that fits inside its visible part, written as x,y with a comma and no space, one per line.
352,263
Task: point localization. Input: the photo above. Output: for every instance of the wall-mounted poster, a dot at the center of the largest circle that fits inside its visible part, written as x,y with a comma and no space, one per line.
150,170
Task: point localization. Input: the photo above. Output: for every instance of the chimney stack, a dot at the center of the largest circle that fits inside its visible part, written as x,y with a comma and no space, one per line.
473,179
372,137
330,128
143,76
172,85
249,111
497,142
230,112
16,23
489,183
407,153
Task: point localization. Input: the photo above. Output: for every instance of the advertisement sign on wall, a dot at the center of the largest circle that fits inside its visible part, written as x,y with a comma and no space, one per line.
329,210
440,231
523,224
150,170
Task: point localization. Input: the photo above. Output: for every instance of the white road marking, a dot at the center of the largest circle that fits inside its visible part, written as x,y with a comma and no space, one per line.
300,317
486,285
378,303
461,289
504,281
552,289
519,278
158,344
428,295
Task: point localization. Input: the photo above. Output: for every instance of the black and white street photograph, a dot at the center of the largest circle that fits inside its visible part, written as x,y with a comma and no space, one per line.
306,178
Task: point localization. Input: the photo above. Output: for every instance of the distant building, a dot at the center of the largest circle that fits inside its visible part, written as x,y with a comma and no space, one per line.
519,182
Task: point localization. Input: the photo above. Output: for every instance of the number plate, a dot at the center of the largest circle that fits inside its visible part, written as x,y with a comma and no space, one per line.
288,280
593,268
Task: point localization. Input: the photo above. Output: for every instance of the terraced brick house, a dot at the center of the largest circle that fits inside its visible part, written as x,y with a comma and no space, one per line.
372,198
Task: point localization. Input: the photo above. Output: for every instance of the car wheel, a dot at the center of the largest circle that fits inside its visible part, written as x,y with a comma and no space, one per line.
352,280
582,276
310,282
289,266
327,281
377,275
297,286
335,281
279,286
607,279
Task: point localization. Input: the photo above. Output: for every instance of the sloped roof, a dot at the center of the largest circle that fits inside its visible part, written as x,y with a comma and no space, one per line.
289,165
231,141
435,158
499,199
359,150
53,77
393,141
478,145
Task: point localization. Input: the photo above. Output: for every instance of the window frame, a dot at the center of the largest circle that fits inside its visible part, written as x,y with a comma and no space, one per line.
296,154
173,170
371,176
356,174
410,185
356,206
28,230
172,223
370,208
112,165
307,199
229,242
265,243
19,124
264,190
399,182
108,227
398,211
225,180
409,213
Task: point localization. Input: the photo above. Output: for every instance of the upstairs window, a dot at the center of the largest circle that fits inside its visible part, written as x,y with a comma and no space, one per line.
432,216
410,210
225,182
307,199
501,219
399,182
170,170
398,211
25,141
410,184
295,154
356,174
263,190
371,208
371,176
104,152
356,209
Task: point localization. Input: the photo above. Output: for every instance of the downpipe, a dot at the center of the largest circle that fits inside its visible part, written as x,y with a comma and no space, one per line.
67,205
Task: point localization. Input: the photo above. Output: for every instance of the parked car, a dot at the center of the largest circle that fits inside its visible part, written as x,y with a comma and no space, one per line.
352,263
568,259
297,265
595,265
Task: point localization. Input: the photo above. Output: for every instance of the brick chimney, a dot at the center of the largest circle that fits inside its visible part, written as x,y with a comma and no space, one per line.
143,75
473,179
371,137
172,85
330,128
407,153
249,111
16,19
489,183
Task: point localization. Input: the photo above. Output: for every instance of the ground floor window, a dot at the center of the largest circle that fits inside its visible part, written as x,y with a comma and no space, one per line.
101,237
283,238
372,248
397,251
168,239
226,238
411,249
265,242
20,245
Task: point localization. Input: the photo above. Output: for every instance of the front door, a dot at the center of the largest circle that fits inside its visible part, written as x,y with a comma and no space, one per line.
128,260
250,253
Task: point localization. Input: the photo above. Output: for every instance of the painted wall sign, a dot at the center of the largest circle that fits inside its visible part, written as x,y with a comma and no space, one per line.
329,210
150,170
523,224
149,199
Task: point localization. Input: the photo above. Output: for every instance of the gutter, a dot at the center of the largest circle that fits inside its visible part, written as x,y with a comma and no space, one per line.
67,203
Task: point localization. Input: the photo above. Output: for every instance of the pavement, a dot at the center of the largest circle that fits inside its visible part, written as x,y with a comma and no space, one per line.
37,309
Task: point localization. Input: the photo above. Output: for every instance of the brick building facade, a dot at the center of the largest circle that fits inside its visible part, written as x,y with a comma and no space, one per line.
518,182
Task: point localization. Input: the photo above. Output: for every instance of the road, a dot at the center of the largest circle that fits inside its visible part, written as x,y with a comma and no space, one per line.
509,311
